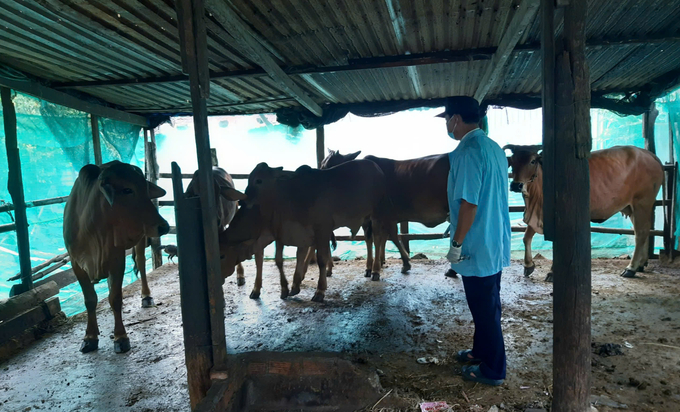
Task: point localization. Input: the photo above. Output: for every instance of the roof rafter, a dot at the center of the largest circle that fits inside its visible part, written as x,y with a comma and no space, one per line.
519,23
238,29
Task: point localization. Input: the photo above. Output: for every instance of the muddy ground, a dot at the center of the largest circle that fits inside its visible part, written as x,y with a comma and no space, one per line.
387,325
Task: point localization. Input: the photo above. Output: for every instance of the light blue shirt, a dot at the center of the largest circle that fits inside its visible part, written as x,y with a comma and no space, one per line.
479,175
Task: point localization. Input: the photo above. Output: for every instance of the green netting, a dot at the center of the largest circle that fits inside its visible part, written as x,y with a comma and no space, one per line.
54,143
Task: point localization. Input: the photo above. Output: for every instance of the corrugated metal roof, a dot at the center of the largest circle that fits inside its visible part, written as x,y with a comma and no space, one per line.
66,41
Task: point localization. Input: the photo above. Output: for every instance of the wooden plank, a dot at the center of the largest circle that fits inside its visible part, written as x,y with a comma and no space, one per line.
15,305
29,319
96,142
403,229
571,246
190,14
151,162
519,23
15,186
54,96
233,24
193,286
320,146
42,265
8,227
548,112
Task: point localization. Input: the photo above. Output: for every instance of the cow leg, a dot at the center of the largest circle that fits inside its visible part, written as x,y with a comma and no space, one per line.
121,342
369,253
380,240
140,261
529,264
91,340
322,253
259,261
310,258
300,268
329,264
641,218
240,275
405,259
278,258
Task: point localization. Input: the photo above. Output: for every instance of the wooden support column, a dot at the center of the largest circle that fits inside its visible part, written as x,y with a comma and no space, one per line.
193,286
648,120
96,142
320,145
566,105
151,162
15,187
193,41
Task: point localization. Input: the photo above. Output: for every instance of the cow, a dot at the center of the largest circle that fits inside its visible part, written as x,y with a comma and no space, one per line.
302,209
623,179
109,211
417,189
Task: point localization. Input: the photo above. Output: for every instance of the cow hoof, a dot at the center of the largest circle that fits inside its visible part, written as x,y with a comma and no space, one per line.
329,273
121,345
368,273
641,269
147,302
451,274
628,273
285,293
89,345
375,276
240,281
406,268
528,270
549,277
294,291
318,297
255,294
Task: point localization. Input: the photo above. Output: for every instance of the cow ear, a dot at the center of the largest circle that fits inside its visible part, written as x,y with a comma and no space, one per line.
154,191
232,194
353,156
330,151
108,192
509,161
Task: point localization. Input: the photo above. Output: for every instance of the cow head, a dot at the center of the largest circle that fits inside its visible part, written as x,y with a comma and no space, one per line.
262,180
238,240
525,162
128,202
334,158
224,192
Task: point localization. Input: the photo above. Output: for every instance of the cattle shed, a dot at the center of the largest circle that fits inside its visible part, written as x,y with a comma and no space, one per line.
311,63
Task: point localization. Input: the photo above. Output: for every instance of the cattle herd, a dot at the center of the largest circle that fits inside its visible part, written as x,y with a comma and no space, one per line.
110,210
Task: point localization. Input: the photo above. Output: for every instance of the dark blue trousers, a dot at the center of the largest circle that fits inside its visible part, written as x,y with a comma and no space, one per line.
484,299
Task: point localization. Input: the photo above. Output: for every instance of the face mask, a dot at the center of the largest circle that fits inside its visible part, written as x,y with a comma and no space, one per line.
454,128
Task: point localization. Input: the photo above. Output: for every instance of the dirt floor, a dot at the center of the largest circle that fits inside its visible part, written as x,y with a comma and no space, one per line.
387,325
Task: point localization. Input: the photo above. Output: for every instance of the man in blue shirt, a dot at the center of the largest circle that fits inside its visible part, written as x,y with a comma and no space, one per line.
480,234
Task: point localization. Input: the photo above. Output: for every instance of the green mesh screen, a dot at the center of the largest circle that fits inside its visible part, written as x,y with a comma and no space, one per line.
54,143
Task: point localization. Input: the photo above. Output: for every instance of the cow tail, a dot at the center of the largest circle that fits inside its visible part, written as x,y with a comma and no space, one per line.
368,230
334,242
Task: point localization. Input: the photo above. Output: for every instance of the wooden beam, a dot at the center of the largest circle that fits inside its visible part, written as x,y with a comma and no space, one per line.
519,23
231,22
55,96
403,229
13,306
96,142
151,163
15,186
191,18
571,143
648,121
320,146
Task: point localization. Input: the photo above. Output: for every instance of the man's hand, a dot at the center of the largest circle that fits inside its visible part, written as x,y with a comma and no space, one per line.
454,253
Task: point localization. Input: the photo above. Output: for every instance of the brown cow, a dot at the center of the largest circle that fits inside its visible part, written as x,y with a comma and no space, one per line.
302,209
417,189
109,210
623,179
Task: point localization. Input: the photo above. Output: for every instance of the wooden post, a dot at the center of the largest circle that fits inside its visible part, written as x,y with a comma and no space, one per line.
193,286
320,146
151,162
566,101
403,228
193,41
648,120
96,143
15,186
213,157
